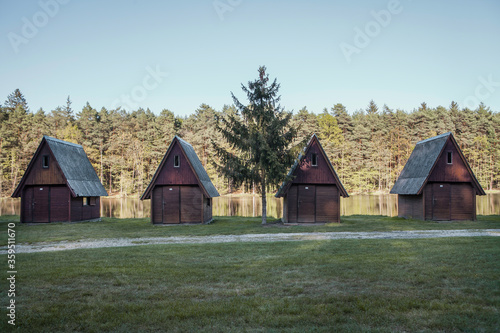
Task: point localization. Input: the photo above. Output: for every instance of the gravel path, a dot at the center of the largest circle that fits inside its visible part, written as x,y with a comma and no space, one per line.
120,242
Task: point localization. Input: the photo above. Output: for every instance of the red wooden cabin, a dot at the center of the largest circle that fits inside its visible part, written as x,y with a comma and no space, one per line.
313,193
437,183
59,185
180,191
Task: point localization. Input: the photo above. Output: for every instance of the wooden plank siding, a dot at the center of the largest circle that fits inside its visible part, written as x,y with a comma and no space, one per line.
59,204
306,204
80,212
462,201
45,176
292,204
179,204
27,204
312,204
428,201
450,172
191,204
411,206
306,173
171,204
171,175
327,204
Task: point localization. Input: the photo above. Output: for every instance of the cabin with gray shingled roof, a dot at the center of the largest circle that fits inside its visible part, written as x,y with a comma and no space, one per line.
437,182
312,193
181,190
59,185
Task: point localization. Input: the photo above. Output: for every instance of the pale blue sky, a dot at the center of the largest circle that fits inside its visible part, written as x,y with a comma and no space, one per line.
102,51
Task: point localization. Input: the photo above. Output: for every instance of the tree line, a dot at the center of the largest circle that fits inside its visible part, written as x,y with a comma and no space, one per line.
368,148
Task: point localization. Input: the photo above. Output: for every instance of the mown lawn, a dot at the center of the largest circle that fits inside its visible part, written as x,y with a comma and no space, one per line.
429,285
117,228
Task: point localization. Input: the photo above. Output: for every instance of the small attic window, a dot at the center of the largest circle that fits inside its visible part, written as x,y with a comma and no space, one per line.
177,161
45,161
449,157
314,159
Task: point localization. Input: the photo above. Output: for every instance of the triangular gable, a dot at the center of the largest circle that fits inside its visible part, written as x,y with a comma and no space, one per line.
199,173
295,170
68,165
421,166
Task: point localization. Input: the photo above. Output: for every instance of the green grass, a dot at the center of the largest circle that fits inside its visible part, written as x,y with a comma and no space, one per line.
118,228
426,285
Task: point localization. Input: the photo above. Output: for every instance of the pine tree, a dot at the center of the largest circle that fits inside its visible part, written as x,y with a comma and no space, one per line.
262,138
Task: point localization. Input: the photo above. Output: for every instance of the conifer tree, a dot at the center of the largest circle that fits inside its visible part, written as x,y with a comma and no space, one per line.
260,138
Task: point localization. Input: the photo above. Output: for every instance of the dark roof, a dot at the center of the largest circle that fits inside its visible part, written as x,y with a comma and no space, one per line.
198,168
286,185
75,166
422,160
201,174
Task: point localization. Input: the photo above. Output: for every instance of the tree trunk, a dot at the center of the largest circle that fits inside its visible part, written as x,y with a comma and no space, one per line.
264,199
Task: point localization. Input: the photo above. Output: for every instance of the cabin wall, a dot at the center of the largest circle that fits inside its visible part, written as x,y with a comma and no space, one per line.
308,174
44,204
291,203
45,176
428,200
327,204
191,204
79,212
463,203
182,175
454,172
411,206
284,217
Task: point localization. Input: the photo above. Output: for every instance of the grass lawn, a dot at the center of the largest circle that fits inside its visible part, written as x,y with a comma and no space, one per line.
444,285
117,228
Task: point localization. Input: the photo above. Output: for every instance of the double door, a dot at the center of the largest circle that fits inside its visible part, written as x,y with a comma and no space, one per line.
177,204
44,204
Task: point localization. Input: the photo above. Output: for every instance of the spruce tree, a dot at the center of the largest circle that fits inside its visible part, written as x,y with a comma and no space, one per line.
259,137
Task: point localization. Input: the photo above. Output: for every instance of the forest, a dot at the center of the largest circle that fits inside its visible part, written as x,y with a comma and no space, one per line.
368,148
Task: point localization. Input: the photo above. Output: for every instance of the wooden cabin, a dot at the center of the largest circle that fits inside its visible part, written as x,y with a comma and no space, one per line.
59,185
437,183
313,193
180,191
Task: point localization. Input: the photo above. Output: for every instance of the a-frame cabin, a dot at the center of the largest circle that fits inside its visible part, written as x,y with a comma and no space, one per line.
437,182
59,185
312,195
180,191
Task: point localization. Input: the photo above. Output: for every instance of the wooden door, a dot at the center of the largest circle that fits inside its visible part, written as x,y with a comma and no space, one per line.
157,205
327,204
306,207
291,204
441,202
27,205
171,204
59,204
41,196
191,204
463,205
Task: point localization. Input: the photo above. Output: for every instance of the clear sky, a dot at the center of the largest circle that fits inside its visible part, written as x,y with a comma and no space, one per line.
180,54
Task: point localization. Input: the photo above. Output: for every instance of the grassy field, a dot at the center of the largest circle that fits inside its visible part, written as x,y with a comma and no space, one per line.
116,228
435,285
